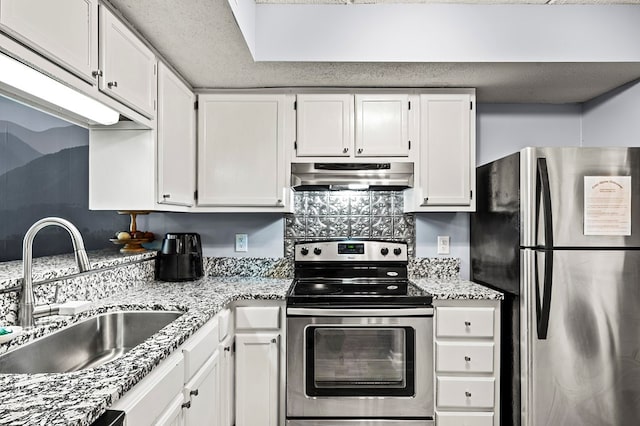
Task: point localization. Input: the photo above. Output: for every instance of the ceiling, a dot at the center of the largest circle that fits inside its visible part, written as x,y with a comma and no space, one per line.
201,39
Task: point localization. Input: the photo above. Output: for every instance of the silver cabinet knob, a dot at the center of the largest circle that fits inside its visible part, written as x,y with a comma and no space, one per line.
467,358
166,195
227,348
359,150
467,323
345,150
194,392
97,73
467,394
274,341
186,404
112,84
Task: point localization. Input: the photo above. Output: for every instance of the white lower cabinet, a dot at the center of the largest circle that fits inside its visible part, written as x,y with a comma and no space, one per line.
227,382
173,415
467,362
257,378
218,377
152,400
202,376
259,357
202,395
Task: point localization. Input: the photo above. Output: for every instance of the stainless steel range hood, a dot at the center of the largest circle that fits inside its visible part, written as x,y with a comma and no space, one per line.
363,176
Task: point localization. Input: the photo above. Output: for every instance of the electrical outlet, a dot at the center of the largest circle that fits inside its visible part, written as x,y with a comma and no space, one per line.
242,242
443,244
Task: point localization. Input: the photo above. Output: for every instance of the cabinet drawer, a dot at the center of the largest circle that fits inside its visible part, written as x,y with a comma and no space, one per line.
200,347
259,317
464,419
472,357
467,392
464,322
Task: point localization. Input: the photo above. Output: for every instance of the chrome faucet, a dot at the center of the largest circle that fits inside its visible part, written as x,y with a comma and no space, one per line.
27,299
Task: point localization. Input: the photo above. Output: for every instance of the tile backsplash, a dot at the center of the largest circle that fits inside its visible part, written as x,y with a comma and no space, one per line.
375,215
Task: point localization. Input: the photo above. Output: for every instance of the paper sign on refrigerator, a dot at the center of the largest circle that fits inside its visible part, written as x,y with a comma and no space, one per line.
607,205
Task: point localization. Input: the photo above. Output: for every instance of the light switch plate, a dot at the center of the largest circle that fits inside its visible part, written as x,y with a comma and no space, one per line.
242,242
443,244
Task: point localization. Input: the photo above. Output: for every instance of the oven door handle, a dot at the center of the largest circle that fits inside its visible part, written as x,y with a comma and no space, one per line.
354,312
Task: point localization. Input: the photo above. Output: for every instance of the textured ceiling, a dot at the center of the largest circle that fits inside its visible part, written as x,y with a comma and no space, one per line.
202,41
451,1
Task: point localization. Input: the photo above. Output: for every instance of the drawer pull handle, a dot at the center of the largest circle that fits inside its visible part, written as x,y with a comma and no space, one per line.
467,358
227,348
467,323
194,392
467,394
112,84
186,404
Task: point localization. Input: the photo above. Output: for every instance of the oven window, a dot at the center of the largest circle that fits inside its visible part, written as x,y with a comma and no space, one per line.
360,361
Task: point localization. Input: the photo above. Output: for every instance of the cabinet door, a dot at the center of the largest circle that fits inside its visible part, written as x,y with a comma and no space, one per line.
227,382
128,66
445,149
241,150
324,125
382,125
152,399
64,31
257,379
202,394
176,140
173,415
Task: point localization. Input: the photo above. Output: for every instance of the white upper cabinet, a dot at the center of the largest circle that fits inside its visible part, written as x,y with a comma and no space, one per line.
445,173
324,125
382,125
241,160
176,140
64,31
348,126
128,66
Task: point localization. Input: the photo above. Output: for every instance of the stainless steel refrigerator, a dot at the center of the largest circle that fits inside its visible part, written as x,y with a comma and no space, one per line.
558,231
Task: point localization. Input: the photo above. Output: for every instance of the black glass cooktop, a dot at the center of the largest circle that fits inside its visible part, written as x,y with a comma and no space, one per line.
314,292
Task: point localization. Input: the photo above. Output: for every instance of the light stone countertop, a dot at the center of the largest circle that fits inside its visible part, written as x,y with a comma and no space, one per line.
48,267
80,397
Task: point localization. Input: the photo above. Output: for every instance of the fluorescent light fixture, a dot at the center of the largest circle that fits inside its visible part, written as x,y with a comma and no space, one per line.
27,80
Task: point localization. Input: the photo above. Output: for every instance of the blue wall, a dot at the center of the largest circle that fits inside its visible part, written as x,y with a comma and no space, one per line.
44,171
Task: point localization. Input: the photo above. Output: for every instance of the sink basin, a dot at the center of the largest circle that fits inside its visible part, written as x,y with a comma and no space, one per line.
86,344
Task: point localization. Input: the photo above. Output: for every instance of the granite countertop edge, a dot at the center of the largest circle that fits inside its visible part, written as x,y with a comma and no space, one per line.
79,398
64,265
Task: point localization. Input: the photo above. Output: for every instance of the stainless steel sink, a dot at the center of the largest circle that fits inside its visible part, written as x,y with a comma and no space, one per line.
86,344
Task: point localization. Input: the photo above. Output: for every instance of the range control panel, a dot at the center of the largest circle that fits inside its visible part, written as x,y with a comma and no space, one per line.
351,250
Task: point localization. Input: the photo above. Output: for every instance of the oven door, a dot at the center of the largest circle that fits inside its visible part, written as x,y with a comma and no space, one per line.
357,364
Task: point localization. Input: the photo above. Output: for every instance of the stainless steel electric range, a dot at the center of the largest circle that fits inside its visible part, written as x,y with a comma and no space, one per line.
359,338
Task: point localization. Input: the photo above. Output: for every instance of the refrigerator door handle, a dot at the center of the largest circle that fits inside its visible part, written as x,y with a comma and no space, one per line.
543,189
543,308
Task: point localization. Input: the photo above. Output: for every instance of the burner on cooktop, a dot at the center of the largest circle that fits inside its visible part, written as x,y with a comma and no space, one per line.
317,288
